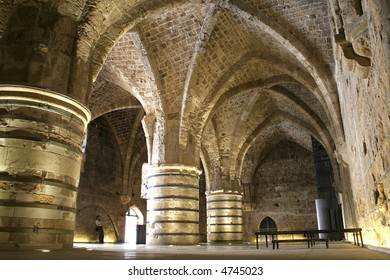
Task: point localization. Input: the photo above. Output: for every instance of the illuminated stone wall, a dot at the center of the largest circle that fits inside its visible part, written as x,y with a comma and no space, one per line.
364,86
284,189
214,79
100,185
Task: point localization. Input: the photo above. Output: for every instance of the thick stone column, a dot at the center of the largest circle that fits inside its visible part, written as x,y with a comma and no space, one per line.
172,205
224,218
41,135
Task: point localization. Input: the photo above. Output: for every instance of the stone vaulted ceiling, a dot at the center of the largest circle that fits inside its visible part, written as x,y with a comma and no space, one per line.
232,87
229,71
232,74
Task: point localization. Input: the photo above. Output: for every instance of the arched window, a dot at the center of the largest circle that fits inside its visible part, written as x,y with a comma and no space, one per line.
267,225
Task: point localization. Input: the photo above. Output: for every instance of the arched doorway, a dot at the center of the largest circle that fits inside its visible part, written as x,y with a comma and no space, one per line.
267,225
134,219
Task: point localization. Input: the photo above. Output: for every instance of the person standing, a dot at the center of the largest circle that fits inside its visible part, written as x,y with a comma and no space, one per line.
99,228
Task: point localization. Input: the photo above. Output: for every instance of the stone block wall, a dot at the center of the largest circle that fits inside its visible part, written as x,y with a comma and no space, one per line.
284,188
365,98
38,49
100,185
308,20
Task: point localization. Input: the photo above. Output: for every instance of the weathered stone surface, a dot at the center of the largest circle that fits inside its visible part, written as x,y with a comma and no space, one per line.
173,205
35,165
224,218
367,126
220,83
283,188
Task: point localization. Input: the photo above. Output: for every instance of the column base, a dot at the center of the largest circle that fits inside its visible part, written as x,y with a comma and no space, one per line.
172,239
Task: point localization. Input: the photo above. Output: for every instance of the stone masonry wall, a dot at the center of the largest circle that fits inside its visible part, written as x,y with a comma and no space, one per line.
285,190
100,185
365,100
37,45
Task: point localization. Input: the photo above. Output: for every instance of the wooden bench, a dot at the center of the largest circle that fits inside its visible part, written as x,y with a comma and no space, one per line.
308,234
310,242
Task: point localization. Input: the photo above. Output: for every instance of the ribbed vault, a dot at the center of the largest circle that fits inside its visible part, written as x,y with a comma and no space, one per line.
225,70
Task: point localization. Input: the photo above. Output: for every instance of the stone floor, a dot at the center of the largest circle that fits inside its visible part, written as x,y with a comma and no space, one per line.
92,251
115,261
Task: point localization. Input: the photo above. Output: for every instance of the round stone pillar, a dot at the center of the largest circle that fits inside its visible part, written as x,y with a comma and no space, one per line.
172,205
41,135
224,218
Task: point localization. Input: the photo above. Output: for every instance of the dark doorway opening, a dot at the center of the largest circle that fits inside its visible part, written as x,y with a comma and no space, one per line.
267,225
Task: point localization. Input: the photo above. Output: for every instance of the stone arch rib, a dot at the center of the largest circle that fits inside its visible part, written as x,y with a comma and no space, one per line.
274,119
324,87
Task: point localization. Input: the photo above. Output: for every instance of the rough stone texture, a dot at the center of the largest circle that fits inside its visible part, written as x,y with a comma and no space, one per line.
306,19
99,191
224,218
108,187
173,205
37,46
40,148
283,187
367,123
216,81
